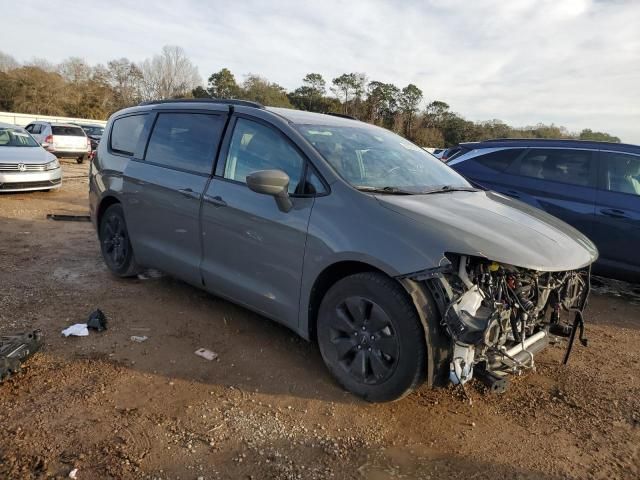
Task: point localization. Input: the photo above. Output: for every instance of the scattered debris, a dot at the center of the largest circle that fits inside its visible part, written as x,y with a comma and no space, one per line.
73,473
150,273
76,330
139,338
97,320
16,349
68,218
206,354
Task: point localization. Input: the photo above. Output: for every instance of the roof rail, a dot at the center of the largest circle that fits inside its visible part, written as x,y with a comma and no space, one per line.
342,115
223,101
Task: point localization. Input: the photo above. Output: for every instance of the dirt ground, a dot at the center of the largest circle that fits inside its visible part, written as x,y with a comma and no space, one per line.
267,408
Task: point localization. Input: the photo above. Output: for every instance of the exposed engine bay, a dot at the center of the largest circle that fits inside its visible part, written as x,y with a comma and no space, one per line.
499,316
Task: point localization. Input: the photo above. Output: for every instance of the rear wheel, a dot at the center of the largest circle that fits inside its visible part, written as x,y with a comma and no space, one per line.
115,244
371,338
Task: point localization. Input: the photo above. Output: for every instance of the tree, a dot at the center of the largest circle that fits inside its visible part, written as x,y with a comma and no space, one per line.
169,74
588,134
259,89
125,79
7,62
409,101
382,103
344,87
223,84
310,96
200,92
32,90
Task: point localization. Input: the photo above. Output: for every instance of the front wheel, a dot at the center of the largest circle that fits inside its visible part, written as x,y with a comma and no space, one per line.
115,244
371,338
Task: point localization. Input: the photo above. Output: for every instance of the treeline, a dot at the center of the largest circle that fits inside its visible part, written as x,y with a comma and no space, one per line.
75,88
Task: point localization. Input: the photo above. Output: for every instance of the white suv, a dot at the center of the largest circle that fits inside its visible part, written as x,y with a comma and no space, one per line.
64,140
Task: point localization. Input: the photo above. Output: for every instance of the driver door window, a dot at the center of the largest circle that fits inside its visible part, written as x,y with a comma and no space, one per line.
254,147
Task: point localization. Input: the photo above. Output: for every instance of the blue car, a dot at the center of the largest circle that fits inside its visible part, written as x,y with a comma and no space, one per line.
594,186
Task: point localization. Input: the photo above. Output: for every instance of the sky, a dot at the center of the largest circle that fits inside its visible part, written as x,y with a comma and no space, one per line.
574,63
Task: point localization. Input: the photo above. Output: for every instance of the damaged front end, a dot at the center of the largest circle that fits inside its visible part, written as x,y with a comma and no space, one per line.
499,316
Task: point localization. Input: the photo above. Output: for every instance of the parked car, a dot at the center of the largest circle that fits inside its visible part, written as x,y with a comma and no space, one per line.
594,186
24,164
437,152
94,133
346,233
64,140
449,153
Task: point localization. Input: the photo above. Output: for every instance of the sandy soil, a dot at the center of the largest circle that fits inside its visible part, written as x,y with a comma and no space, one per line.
267,408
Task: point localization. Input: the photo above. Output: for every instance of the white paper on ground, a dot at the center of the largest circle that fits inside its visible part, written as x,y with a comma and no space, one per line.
208,354
77,330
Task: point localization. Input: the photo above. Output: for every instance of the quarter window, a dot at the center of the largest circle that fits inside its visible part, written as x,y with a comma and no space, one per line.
186,141
257,147
125,134
556,165
622,172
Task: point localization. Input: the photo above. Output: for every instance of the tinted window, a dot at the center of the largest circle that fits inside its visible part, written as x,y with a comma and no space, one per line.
68,131
36,128
622,172
125,133
556,165
257,147
185,140
499,160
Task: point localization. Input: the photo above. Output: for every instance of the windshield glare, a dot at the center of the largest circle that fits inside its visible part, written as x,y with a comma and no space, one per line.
16,137
377,158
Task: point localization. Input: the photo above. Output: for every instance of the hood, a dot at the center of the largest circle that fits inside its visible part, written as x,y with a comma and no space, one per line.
29,155
490,225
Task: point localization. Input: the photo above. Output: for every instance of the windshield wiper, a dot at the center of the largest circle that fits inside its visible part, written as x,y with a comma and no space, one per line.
449,188
387,190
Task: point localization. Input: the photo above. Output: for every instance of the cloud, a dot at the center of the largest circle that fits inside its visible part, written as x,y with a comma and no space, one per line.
571,62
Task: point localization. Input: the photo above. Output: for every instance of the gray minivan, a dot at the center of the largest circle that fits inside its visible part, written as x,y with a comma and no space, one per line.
350,235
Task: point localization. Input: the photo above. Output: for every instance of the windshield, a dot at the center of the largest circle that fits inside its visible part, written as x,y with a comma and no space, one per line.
95,131
370,158
16,137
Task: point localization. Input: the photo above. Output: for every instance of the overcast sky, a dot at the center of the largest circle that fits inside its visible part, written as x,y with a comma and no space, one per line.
571,62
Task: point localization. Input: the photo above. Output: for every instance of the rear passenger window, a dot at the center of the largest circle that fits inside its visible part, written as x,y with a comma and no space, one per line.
499,160
185,140
125,134
574,167
622,172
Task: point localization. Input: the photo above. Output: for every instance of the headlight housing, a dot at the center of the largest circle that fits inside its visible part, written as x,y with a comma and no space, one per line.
52,165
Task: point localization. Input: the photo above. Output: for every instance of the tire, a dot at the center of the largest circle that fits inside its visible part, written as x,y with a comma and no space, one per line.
114,243
371,338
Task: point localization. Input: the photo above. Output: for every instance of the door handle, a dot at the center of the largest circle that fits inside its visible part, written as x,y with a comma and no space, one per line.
187,192
216,201
613,212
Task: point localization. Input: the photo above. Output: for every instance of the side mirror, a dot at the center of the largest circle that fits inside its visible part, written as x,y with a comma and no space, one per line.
274,183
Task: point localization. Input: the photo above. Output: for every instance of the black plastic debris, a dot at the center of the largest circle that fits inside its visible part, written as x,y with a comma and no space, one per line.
68,218
97,321
16,349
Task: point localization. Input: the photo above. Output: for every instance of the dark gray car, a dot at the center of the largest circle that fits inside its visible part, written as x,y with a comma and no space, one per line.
346,233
